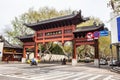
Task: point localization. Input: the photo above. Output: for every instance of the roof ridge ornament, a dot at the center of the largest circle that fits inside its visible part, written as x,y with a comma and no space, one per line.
95,24
76,12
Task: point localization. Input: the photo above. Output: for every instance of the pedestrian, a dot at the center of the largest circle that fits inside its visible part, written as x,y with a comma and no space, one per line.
64,62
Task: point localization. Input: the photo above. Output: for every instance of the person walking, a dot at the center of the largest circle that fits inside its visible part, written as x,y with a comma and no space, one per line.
64,62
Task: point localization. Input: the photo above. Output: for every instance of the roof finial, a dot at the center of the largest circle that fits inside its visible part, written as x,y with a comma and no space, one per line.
74,12
80,11
94,23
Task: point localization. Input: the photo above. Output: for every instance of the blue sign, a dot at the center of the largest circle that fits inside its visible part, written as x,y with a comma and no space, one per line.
118,28
104,33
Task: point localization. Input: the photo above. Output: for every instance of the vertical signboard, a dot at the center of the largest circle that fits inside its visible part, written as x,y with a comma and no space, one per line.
1,50
118,27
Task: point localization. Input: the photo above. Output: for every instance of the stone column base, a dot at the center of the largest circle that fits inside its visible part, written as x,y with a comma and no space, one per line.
96,62
23,60
74,62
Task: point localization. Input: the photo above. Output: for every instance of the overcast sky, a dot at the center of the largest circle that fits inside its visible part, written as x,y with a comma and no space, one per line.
13,8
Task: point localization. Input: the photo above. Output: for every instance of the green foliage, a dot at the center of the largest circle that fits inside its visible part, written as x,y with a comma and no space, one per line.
56,49
104,46
50,47
85,50
90,22
68,49
41,48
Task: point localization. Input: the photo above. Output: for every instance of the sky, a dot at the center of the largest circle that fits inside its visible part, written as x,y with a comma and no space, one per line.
9,9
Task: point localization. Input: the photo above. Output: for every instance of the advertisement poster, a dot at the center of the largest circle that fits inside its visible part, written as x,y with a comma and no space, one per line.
118,27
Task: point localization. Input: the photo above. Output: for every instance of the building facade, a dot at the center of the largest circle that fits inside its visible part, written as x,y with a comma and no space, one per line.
10,52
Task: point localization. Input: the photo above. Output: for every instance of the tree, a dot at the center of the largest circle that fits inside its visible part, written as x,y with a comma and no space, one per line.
68,49
90,22
32,16
104,46
18,29
56,49
85,51
50,48
115,5
41,49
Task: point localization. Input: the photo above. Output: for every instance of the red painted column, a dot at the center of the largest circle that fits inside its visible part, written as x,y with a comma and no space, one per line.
74,49
74,43
96,49
43,37
36,50
35,46
24,52
63,35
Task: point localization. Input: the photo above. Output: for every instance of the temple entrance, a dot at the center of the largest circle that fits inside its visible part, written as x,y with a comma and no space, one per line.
61,29
57,29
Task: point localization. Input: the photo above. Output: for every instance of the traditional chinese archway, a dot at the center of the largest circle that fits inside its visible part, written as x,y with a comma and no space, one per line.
56,29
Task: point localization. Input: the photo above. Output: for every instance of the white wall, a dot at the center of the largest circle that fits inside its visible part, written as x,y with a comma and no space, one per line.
114,31
31,56
54,57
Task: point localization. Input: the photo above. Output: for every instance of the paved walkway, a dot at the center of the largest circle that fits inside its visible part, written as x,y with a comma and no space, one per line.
115,69
55,72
